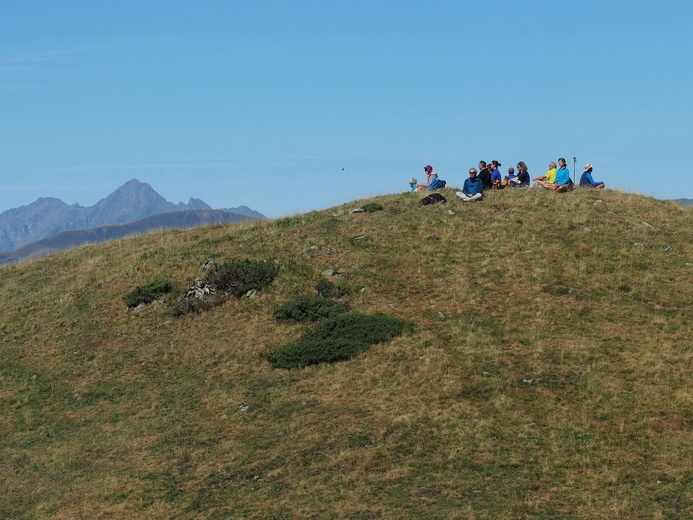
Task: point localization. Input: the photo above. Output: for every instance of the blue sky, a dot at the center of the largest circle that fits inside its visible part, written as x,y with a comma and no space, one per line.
288,107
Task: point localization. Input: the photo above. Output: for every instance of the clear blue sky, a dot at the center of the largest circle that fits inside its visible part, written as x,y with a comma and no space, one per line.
291,106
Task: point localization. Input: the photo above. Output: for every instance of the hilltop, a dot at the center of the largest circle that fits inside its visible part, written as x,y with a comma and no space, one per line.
548,375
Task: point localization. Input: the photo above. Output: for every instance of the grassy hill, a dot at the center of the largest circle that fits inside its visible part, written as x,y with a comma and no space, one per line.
77,237
548,375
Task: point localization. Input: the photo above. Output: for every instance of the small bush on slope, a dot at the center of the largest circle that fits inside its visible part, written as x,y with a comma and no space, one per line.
371,207
329,289
338,339
239,276
147,293
308,308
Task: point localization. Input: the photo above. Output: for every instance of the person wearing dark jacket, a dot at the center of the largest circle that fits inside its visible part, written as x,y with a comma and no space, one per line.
473,188
586,180
484,175
522,175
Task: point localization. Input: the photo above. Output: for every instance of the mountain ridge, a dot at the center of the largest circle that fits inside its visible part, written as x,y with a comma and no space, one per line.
48,216
162,221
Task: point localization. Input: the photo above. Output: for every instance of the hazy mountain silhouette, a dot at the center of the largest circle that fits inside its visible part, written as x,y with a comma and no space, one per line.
174,220
49,216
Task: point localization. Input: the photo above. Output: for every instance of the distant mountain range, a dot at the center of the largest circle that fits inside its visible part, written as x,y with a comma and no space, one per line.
135,203
685,202
68,239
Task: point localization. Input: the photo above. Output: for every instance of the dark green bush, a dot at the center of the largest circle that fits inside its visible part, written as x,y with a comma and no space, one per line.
338,338
311,352
308,308
374,328
329,289
371,207
239,276
147,293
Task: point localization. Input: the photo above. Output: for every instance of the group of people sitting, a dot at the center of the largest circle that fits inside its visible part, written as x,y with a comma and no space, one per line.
489,177
557,178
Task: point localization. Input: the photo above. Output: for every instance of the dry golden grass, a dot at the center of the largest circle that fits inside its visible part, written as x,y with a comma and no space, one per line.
548,376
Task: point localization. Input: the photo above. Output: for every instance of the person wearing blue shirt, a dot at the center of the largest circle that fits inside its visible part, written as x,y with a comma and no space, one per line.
473,188
562,181
495,175
586,180
511,178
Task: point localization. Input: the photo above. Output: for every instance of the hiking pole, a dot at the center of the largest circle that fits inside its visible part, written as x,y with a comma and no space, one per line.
574,161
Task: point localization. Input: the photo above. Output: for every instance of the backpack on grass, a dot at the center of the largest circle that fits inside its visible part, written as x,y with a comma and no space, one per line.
433,198
436,184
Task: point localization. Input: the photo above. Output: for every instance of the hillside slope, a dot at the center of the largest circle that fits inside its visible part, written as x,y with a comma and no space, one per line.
173,220
548,376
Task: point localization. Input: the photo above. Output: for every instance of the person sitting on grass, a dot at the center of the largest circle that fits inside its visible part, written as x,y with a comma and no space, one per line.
547,180
522,175
586,180
484,175
432,180
562,181
511,179
495,175
473,188
413,186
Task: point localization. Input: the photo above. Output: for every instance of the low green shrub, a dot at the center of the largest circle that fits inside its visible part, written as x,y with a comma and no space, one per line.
371,207
329,289
311,352
336,339
147,293
308,308
239,276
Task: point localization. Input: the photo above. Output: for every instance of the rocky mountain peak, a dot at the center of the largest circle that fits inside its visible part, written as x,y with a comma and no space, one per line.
49,216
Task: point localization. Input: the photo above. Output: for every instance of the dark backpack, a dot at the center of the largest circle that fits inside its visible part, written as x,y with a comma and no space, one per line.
433,198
